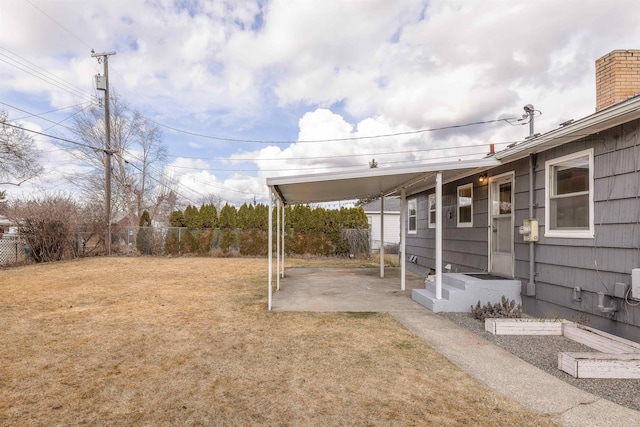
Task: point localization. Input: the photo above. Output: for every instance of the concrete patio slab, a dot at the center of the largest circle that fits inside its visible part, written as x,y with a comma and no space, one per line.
345,289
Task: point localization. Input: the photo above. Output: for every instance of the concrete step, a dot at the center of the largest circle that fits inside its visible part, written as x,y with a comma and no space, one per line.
456,279
448,291
428,299
460,292
460,303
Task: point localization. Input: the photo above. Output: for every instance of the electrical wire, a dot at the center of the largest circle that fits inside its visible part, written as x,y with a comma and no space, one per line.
54,137
162,174
455,156
44,75
59,123
354,138
42,114
59,24
255,159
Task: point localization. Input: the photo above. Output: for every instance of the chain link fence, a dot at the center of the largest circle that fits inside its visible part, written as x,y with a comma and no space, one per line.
12,249
133,241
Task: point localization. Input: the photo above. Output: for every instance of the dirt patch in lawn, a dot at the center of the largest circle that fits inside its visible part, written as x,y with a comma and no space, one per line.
188,341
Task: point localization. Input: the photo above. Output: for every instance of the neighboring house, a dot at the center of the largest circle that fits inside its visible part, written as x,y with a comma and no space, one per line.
581,183
4,225
391,221
125,219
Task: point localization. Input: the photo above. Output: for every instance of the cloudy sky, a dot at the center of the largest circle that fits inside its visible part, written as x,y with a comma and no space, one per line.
288,74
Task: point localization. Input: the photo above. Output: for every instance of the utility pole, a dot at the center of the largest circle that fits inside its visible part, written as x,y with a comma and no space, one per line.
102,83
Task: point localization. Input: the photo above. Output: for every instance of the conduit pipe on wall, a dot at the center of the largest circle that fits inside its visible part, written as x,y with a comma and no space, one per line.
531,286
601,306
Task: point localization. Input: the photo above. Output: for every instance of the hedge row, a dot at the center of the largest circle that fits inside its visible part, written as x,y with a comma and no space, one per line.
315,231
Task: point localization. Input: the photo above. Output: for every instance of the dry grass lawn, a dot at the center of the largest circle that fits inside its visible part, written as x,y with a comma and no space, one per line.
188,341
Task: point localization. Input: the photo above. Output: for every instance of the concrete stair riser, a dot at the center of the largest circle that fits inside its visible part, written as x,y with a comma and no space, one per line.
460,292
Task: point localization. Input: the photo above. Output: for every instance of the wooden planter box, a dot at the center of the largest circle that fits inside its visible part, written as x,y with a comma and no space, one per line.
523,326
600,365
599,340
617,357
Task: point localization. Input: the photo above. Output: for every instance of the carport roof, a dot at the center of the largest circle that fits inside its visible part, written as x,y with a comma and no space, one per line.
364,183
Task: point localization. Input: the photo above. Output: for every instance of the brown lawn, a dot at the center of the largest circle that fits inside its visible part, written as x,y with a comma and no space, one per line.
188,341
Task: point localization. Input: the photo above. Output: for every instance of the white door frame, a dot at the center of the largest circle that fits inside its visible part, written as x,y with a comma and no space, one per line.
512,176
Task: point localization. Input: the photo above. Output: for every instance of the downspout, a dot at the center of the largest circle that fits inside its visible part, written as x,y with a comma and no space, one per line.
531,286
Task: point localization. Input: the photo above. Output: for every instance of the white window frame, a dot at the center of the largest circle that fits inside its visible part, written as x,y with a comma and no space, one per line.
458,206
410,203
430,199
568,233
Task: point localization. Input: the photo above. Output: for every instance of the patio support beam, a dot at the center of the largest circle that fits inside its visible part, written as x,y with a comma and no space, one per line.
439,235
270,291
403,242
278,244
382,236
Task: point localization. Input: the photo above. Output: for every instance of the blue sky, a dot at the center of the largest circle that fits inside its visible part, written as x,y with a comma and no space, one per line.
300,70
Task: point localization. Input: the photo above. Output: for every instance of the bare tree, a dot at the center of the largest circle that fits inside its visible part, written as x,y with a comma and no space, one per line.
138,154
165,199
18,157
213,199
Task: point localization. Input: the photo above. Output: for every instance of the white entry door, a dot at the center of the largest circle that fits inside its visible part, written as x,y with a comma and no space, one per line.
501,225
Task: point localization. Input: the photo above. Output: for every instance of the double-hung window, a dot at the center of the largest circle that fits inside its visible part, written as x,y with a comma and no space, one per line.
569,196
412,216
465,205
432,210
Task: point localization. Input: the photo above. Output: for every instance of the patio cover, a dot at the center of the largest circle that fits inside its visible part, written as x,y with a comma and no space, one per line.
371,182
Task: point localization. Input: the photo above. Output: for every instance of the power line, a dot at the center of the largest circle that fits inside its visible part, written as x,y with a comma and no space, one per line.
45,76
455,156
354,138
59,123
54,137
59,24
338,156
41,114
150,176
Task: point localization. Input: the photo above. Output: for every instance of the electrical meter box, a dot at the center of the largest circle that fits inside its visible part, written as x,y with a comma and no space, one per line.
529,230
101,82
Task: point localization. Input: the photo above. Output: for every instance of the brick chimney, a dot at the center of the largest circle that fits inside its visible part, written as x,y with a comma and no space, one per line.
617,77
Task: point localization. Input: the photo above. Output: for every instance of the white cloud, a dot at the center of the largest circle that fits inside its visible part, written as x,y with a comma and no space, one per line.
337,69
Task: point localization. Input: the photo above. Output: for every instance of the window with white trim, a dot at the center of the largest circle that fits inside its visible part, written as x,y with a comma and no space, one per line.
569,196
465,205
412,216
432,210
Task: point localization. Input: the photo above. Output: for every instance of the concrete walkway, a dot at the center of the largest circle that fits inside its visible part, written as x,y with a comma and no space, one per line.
342,289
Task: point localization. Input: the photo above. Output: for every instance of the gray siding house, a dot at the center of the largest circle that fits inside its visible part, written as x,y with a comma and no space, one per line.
561,213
